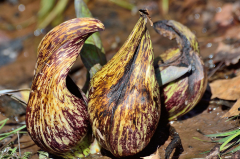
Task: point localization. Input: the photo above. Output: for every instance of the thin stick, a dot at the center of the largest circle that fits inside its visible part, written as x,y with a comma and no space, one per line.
19,144
2,92
215,70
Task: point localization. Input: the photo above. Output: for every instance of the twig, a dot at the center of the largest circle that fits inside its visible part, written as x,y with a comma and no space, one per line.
19,144
215,70
9,141
198,130
7,91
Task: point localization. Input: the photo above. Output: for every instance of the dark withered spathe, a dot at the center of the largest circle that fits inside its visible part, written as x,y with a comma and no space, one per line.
124,99
181,95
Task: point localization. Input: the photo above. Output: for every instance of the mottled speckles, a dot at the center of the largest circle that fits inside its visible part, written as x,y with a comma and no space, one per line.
56,119
125,90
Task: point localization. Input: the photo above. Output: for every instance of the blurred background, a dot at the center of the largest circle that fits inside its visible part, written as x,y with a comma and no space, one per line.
23,23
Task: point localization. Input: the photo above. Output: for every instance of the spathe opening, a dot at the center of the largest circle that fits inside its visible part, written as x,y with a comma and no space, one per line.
73,88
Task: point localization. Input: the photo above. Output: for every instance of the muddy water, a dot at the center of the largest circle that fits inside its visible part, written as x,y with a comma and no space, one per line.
118,23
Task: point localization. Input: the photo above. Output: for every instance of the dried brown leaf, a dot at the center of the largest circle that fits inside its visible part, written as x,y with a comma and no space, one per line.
154,156
233,111
225,17
230,53
229,43
227,89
